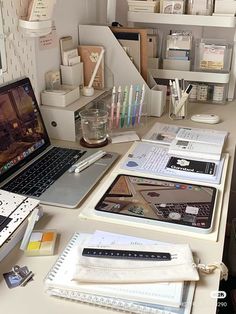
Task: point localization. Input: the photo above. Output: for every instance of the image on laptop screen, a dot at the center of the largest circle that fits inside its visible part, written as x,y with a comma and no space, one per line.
22,132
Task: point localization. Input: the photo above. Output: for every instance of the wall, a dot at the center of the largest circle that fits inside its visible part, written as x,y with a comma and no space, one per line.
20,51
24,57
67,16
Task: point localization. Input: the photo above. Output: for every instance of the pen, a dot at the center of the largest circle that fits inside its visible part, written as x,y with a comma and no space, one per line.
183,98
74,166
130,104
118,107
177,88
112,106
182,89
141,103
122,121
86,163
135,105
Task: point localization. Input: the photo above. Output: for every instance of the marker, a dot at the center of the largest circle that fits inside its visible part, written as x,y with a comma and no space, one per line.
141,103
118,107
130,104
86,163
135,105
112,106
122,121
82,162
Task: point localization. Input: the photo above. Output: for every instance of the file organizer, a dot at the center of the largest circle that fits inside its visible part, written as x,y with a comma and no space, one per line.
118,62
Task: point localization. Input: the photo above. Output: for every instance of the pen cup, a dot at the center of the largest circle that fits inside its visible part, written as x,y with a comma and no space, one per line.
174,112
94,127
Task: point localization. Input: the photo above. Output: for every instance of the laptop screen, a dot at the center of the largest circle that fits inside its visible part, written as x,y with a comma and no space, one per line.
22,131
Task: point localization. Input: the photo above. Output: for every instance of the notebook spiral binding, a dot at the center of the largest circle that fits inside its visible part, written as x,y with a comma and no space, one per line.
107,302
62,257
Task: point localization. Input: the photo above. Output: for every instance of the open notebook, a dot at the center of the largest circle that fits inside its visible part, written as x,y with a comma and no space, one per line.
174,297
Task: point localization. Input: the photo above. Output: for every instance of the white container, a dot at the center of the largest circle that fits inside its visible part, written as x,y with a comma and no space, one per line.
157,100
72,75
200,7
172,6
54,98
223,6
144,6
212,55
153,63
35,28
179,65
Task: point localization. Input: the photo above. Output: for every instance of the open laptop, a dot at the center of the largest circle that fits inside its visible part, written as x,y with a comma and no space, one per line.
29,164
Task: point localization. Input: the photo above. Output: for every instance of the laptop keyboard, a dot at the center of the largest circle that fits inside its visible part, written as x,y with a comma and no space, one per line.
204,208
39,176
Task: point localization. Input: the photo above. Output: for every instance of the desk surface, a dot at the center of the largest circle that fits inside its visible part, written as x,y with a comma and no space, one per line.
33,299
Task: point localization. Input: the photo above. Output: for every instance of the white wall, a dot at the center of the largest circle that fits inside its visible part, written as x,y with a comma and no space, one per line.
67,16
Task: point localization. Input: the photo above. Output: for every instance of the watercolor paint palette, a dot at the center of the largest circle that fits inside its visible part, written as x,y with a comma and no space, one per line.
41,242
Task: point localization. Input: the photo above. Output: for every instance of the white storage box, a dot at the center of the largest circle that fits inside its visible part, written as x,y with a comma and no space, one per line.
157,100
55,98
225,6
144,6
179,65
72,75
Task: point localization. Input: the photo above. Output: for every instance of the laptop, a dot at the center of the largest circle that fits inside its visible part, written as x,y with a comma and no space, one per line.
29,164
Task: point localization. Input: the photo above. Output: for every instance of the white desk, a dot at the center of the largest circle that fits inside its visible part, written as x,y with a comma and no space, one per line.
32,299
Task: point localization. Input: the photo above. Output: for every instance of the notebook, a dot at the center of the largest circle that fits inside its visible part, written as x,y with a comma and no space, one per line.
127,297
29,164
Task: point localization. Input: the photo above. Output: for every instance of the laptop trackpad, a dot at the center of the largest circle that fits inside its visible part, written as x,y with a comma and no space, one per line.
71,188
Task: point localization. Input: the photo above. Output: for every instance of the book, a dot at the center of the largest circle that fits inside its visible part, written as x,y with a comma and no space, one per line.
58,282
195,149
190,142
14,212
154,159
89,56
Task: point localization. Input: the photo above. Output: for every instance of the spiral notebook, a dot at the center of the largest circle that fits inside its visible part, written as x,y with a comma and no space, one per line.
155,298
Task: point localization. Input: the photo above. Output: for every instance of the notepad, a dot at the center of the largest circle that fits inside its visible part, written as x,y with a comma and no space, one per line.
59,282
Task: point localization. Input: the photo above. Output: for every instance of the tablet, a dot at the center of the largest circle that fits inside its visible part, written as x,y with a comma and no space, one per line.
168,203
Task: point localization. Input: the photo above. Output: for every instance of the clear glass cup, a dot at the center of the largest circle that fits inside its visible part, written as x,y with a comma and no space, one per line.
94,125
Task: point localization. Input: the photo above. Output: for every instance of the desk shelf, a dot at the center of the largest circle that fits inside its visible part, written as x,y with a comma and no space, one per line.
222,78
182,19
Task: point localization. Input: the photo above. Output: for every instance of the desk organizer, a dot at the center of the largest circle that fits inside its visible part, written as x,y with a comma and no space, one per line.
55,98
126,74
208,92
72,74
212,55
35,28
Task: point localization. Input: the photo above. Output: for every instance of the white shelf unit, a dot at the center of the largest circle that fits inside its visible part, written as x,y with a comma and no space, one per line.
182,19
227,22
